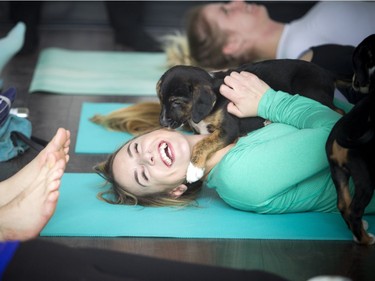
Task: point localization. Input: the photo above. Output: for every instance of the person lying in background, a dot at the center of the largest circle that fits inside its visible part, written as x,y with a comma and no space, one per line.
224,35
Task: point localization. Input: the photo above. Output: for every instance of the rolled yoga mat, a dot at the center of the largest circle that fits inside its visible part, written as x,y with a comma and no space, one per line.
62,71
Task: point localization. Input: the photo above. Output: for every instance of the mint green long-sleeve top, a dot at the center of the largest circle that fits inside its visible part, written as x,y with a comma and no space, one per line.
281,168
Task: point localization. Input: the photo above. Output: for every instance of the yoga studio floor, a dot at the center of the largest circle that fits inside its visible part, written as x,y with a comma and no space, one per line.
295,260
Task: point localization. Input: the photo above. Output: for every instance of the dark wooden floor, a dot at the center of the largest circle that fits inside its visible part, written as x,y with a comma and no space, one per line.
294,260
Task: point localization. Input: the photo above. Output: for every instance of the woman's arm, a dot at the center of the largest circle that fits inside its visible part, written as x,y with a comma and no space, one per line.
284,163
251,96
245,91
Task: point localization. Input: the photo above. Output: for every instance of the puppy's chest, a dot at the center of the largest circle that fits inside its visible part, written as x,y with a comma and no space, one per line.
202,128
208,125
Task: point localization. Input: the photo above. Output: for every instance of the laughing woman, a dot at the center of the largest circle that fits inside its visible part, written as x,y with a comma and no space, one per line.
281,168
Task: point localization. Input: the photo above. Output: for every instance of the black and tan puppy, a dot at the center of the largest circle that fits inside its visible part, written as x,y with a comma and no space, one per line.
351,146
364,64
190,95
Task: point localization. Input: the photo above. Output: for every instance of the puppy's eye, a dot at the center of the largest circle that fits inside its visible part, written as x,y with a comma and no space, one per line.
177,103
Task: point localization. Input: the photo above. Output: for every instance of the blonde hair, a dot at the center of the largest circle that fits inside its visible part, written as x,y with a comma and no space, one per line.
206,42
136,119
117,194
176,48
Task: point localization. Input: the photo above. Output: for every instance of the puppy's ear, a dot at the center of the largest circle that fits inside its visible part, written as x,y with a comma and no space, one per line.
204,100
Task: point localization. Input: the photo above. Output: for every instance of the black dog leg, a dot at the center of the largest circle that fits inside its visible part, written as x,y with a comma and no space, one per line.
362,197
340,177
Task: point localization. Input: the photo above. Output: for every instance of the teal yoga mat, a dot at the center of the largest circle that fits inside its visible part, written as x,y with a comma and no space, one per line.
62,71
80,213
92,138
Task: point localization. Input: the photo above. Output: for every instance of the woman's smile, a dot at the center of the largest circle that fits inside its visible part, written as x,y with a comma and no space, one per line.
166,153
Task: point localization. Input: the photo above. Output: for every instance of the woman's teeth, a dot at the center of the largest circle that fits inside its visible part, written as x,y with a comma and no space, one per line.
165,153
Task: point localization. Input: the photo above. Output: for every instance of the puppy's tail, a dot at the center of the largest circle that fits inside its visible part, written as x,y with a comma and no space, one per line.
177,50
136,119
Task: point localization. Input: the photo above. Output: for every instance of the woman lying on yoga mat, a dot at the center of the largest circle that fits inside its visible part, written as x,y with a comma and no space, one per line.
222,35
280,168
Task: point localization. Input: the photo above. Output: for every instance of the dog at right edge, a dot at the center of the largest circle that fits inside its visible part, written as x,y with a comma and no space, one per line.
351,146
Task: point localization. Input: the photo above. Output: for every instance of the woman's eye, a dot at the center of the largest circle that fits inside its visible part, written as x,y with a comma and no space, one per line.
144,176
136,147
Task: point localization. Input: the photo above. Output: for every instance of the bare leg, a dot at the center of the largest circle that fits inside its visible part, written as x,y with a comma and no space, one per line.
12,187
26,215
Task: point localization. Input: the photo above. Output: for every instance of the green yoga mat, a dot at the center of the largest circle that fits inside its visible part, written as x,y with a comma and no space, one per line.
80,213
62,71
92,138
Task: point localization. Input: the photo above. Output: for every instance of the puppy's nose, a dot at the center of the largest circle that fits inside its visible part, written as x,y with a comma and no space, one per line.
164,122
168,122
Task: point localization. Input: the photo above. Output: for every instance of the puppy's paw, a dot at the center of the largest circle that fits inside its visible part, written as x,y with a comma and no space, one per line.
372,242
194,173
372,237
365,225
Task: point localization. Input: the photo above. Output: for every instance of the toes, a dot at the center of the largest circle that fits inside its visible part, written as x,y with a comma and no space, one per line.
55,175
51,160
53,186
61,140
53,196
51,203
45,169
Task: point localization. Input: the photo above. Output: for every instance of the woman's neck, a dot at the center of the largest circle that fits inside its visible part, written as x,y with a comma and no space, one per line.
216,158
268,42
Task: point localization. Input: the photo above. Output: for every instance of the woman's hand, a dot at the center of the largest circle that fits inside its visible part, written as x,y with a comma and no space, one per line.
245,91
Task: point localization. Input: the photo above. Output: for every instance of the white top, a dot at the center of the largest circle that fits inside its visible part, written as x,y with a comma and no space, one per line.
344,23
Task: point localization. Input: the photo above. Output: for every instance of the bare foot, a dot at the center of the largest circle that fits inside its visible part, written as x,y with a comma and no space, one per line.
26,215
12,187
